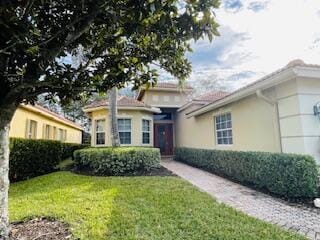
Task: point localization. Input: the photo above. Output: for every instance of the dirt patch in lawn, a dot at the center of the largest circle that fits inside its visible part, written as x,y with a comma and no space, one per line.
40,229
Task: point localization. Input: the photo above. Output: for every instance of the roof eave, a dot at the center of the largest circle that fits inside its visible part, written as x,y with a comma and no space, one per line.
50,116
188,104
152,109
278,78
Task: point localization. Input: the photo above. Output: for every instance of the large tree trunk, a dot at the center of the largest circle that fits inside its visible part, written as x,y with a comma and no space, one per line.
6,114
113,113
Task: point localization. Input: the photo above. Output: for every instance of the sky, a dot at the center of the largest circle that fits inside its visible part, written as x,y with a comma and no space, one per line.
257,38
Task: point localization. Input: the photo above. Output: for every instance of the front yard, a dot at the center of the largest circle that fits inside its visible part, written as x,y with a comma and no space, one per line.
134,208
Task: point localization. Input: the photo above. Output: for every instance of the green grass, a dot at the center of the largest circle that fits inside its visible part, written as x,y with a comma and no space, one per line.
134,208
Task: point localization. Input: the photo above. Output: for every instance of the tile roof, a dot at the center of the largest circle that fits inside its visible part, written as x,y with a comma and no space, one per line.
53,114
211,96
122,101
291,64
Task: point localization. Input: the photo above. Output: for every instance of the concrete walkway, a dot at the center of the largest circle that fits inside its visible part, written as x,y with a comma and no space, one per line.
305,221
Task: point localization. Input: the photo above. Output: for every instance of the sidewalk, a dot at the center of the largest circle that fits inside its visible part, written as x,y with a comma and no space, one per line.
304,220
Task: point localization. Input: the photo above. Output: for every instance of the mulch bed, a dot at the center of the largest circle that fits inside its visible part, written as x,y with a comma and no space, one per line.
40,229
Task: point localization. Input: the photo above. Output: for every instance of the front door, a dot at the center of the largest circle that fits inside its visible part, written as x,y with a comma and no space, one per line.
163,138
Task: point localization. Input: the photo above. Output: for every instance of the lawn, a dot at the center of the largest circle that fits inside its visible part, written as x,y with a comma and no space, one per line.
134,208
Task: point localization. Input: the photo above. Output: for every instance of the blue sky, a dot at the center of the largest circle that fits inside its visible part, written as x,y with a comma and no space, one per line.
258,37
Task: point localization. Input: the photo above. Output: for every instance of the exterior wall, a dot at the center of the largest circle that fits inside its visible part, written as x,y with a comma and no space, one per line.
18,126
162,98
300,129
136,117
254,127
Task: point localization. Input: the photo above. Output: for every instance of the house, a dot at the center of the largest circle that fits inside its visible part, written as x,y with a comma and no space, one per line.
278,113
36,122
147,120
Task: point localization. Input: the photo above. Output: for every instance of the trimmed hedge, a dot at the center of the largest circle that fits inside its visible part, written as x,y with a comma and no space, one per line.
288,175
69,148
30,158
117,161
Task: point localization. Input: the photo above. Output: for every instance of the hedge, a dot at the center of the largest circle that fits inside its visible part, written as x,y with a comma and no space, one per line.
117,161
288,175
30,158
69,148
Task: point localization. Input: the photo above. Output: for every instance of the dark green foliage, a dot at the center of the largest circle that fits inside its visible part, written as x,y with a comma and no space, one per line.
117,161
31,158
110,43
287,175
69,148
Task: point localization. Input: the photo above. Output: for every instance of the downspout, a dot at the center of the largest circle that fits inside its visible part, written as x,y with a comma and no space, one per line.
275,104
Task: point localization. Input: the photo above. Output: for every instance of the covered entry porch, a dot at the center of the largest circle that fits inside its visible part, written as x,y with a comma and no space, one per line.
164,128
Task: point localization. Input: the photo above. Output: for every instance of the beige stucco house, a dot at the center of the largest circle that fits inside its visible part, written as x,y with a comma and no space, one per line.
37,122
273,114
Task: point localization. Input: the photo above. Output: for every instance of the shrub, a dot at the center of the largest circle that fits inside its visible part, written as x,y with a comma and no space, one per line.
30,158
69,148
117,161
287,175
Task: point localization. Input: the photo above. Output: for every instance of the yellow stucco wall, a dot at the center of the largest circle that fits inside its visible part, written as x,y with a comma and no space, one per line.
254,126
19,123
136,117
162,98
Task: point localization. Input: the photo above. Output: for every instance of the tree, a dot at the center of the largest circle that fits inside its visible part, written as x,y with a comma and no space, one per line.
209,83
117,42
113,113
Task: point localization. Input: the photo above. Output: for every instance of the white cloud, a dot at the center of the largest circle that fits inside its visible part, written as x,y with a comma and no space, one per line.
280,31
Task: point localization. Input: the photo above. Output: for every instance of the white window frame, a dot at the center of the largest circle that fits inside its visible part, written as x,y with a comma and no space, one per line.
226,129
143,131
125,131
96,132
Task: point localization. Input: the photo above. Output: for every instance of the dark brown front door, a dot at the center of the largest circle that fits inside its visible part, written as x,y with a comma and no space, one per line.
163,138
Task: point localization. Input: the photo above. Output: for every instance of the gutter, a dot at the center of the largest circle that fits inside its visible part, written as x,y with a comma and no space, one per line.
276,105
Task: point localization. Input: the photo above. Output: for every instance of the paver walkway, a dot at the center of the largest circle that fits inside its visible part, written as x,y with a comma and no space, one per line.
304,220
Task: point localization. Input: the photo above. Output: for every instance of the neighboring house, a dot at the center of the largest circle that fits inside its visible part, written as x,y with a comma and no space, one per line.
36,122
273,114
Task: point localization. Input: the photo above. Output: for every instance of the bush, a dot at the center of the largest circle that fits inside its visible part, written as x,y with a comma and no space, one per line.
287,175
69,148
117,161
30,158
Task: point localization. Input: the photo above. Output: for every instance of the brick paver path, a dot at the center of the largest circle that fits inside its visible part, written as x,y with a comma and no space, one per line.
304,220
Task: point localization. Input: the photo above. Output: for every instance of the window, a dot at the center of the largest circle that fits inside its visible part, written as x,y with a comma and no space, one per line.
55,137
32,130
124,127
47,131
65,135
100,132
60,135
145,131
224,129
